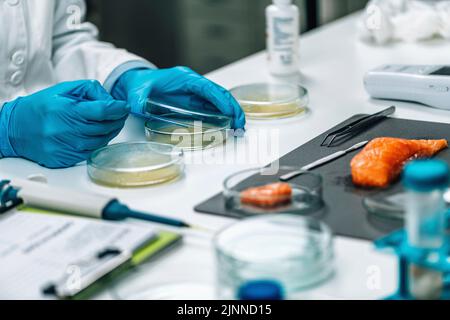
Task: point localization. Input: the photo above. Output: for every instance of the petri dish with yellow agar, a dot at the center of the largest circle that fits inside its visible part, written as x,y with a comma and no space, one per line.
268,101
186,129
135,164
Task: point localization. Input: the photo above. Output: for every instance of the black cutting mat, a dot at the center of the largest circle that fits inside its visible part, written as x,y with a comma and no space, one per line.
343,210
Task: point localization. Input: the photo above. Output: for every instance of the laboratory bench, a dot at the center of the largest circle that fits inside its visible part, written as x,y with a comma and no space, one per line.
333,63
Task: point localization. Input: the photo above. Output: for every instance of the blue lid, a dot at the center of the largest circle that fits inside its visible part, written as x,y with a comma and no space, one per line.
261,290
426,175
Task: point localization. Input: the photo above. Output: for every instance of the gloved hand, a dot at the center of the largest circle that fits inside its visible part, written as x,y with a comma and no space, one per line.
179,86
61,126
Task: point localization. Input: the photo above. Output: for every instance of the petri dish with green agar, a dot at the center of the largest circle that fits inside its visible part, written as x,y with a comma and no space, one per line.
268,101
187,129
135,164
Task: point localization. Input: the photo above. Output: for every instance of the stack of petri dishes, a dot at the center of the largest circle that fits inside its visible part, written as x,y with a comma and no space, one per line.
296,252
187,129
136,164
267,101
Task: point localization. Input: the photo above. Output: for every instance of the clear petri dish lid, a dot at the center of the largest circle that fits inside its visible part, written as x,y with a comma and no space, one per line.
271,101
392,206
135,164
185,118
181,124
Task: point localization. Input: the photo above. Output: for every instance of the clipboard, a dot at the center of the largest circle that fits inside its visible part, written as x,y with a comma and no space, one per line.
113,264
98,269
164,242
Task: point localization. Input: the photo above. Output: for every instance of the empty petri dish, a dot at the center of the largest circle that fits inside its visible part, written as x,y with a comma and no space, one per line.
393,205
296,252
260,191
188,130
265,101
390,206
135,164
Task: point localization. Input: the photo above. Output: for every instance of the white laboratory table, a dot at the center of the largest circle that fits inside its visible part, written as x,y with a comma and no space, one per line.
333,62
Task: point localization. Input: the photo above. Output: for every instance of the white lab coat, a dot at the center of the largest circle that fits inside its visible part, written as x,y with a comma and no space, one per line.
44,42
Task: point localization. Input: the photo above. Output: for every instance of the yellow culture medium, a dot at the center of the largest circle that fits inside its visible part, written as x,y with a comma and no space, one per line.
135,164
188,134
264,101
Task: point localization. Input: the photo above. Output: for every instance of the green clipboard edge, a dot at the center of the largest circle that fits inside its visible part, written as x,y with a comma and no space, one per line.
147,252
164,241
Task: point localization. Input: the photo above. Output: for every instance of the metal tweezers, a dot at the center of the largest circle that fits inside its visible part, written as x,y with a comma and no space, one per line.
357,126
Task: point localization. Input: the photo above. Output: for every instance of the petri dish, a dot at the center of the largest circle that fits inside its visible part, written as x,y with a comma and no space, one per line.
188,130
135,164
267,101
305,196
297,252
392,206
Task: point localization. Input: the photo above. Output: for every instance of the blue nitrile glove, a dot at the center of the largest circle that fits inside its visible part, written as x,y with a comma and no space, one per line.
61,126
179,86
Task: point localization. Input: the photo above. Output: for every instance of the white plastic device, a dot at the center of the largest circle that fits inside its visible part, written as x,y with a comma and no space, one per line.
39,194
425,84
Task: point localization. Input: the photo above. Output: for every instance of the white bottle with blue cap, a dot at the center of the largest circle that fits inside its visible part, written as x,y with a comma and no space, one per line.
283,27
426,182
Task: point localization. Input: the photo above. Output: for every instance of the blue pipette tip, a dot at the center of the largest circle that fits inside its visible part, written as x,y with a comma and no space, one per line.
117,211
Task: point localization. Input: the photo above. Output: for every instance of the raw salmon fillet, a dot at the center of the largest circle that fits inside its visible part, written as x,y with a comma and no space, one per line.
382,160
271,195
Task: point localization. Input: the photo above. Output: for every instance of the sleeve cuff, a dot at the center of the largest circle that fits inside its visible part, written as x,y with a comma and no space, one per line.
2,131
120,70
6,150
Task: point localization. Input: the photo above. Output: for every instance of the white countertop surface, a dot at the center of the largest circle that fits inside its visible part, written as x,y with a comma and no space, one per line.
333,63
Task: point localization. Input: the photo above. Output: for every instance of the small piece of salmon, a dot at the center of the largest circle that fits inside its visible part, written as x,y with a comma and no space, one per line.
382,160
267,196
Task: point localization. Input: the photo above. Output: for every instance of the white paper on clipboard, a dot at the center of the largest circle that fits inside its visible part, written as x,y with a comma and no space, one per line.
36,249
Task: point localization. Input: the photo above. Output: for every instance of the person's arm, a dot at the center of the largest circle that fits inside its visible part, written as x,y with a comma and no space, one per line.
77,54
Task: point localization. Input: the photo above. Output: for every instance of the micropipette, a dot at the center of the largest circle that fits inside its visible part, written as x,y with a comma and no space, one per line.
42,196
